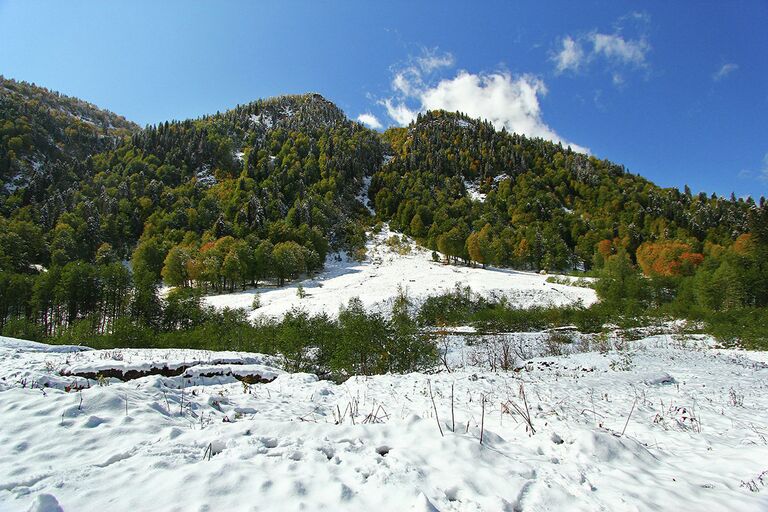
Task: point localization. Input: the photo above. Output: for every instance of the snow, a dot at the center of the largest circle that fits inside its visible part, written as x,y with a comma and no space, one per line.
262,119
13,183
33,346
363,195
133,360
254,371
375,281
205,178
473,191
605,437
657,379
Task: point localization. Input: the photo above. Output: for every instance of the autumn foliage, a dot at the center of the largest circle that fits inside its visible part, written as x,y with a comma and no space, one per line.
744,244
668,258
605,248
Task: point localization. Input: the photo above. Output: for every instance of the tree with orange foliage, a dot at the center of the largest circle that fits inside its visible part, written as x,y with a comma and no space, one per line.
668,258
603,250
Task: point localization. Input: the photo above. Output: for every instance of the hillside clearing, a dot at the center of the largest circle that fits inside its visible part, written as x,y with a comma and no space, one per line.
375,281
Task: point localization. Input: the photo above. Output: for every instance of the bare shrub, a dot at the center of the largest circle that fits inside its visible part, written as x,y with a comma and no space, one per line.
495,353
757,483
522,350
602,343
621,342
504,351
623,364
582,342
556,343
678,417
735,399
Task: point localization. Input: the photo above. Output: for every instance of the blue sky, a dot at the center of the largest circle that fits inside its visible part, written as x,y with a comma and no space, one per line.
676,91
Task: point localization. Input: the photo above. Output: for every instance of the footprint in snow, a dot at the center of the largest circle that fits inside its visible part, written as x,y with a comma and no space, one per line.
93,422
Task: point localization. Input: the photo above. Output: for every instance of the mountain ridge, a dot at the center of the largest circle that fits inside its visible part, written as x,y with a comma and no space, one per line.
274,167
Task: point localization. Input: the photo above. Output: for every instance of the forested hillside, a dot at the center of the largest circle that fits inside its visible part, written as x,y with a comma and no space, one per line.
263,192
43,135
481,195
492,197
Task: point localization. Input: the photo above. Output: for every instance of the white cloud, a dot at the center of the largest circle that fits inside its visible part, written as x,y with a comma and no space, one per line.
409,79
614,47
761,174
431,60
635,16
399,111
370,120
570,56
407,82
724,71
507,101
613,50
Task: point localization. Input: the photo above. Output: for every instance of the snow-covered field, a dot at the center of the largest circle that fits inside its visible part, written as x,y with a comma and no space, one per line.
375,281
661,426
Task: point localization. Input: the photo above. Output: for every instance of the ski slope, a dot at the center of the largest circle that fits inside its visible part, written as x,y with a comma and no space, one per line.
376,280
665,425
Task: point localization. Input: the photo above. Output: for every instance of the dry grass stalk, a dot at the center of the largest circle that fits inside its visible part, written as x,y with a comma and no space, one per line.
437,418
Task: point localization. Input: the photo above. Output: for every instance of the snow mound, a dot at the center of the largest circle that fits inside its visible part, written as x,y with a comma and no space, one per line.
659,379
33,346
45,503
245,372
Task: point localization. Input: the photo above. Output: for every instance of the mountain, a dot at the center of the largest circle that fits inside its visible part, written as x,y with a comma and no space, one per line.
283,169
267,190
293,168
532,203
42,131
